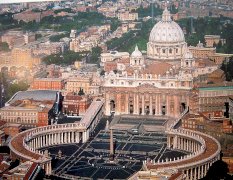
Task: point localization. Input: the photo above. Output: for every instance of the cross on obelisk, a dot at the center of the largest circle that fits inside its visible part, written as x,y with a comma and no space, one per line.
111,156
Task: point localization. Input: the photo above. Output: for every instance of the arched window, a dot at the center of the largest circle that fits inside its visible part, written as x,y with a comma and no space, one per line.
164,50
170,51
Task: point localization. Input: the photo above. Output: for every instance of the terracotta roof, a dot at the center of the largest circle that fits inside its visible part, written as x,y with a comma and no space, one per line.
204,63
176,176
124,60
157,68
17,144
216,73
211,148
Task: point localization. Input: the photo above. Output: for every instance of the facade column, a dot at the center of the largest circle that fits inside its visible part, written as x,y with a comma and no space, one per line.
176,106
188,145
180,141
127,103
143,104
151,105
33,144
175,142
118,104
49,139
83,137
168,105
134,104
42,138
60,137
68,137
156,105
52,138
159,104
36,142
41,141
107,104
65,138
77,137
137,104
72,137
55,138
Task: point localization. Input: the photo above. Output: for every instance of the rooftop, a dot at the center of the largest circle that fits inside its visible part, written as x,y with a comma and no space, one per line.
39,95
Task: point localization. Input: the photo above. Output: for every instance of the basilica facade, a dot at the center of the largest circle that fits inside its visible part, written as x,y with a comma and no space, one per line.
159,83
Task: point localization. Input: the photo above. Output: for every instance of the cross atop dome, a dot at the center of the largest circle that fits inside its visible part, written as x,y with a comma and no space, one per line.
136,48
166,17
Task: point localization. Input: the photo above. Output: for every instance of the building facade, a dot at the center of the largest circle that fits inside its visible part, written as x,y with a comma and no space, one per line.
159,83
48,83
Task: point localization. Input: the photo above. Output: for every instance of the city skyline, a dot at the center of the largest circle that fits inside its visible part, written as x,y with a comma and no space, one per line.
23,1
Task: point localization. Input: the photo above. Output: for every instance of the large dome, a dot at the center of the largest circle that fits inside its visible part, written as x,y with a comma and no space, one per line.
166,41
166,31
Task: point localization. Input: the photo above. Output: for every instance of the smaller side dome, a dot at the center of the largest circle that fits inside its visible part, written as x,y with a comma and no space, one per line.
136,52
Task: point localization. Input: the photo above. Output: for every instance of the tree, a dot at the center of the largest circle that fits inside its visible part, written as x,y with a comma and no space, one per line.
4,46
227,67
15,87
145,12
95,54
38,36
56,38
67,58
218,170
173,9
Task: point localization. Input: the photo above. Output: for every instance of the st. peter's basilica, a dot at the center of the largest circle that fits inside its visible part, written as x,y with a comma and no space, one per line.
159,83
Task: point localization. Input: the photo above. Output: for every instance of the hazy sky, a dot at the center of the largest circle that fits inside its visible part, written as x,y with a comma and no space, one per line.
18,1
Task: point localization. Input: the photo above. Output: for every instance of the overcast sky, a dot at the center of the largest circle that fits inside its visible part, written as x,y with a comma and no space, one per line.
18,1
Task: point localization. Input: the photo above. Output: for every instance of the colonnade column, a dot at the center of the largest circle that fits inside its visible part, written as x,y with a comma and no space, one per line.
195,173
191,173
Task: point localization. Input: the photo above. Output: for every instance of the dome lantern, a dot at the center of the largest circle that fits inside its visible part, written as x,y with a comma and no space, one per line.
166,17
